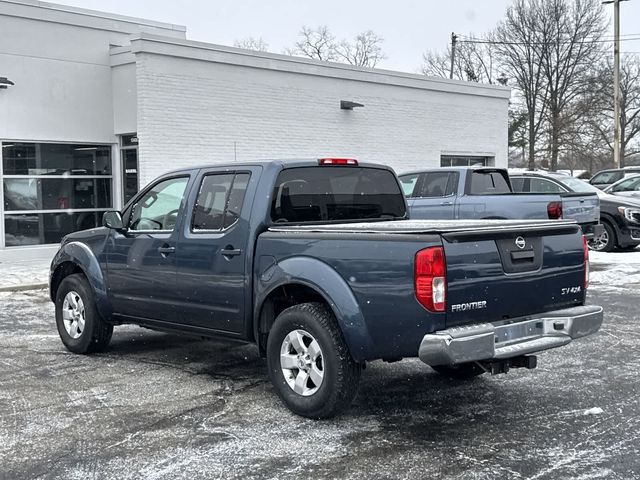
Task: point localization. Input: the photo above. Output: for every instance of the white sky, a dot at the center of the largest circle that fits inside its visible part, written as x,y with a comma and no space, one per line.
409,27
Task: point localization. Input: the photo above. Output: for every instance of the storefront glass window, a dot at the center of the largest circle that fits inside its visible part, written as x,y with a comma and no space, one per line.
50,190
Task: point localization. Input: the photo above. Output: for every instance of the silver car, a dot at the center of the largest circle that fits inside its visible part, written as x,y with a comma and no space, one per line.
627,187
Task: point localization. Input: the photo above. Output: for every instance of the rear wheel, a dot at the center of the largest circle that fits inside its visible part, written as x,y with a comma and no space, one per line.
463,371
309,363
606,241
80,326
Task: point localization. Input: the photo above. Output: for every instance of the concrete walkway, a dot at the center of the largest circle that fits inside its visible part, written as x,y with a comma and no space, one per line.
28,274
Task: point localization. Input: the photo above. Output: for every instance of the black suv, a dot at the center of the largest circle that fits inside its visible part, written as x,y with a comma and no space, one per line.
619,216
604,178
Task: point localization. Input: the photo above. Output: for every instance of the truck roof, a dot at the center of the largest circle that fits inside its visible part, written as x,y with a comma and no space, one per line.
285,163
449,169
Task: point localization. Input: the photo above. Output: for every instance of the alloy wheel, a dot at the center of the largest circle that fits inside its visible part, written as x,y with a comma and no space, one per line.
73,314
301,362
600,242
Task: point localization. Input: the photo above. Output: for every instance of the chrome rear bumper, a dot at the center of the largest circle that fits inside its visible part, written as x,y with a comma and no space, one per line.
511,338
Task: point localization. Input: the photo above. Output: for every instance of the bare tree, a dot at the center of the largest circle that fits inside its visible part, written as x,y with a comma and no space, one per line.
520,47
473,62
252,43
598,105
572,32
364,51
319,44
517,131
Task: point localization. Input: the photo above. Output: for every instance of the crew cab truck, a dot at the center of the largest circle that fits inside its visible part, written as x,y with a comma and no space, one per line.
317,263
486,193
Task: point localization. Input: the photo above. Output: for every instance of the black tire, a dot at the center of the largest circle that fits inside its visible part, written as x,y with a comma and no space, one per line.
605,243
463,371
96,334
341,373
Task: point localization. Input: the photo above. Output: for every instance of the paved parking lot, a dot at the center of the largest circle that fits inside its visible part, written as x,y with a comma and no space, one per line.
162,406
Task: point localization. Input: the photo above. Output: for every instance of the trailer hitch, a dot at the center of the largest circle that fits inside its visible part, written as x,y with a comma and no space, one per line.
495,367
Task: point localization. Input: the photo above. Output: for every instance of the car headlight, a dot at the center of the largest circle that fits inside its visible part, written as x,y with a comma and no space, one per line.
630,213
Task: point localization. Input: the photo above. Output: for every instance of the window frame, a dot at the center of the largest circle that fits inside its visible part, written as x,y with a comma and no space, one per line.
112,177
450,175
469,181
561,189
415,185
223,229
275,195
135,200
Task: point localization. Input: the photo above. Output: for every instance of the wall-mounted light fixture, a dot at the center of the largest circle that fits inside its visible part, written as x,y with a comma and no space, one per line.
349,105
5,82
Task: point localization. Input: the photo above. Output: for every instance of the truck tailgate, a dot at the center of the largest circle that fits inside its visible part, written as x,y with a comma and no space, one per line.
496,269
494,276
581,207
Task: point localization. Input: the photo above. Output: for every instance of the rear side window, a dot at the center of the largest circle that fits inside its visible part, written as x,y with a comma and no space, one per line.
219,201
335,193
542,185
438,184
488,182
518,184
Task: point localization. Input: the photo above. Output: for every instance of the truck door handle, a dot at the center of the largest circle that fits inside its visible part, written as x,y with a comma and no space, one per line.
229,251
446,203
166,250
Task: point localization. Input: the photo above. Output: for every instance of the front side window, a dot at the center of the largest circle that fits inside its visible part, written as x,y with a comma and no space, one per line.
335,194
408,183
628,185
158,208
219,201
606,178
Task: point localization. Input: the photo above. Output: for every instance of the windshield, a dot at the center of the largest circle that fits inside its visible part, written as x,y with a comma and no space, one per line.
577,185
332,193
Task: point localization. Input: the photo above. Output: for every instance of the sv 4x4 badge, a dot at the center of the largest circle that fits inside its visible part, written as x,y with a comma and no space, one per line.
570,290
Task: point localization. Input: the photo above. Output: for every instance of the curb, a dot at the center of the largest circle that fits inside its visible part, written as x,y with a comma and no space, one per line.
22,288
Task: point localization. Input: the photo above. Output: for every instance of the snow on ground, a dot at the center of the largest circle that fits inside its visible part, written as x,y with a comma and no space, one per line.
615,270
24,272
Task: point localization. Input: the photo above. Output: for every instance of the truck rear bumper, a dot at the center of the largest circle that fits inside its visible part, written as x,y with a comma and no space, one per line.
511,338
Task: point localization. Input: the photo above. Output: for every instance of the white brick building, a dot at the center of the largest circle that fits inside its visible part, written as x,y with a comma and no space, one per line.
101,104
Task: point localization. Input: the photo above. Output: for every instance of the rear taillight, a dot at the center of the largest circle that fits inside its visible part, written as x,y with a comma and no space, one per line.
554,210
338,161
430,279
585,251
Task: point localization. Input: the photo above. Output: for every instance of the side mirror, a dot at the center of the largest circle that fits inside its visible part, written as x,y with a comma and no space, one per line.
113,220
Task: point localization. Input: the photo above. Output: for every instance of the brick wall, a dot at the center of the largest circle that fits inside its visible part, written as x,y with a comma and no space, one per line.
194,112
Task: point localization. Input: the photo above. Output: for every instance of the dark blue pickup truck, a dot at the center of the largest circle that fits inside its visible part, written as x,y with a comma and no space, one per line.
316,262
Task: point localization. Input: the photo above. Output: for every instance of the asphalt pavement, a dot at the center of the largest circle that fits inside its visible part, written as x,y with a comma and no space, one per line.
163,406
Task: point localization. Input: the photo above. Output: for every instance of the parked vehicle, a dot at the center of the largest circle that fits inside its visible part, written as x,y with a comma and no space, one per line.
627,187
316,263
486,193
604,178
619,216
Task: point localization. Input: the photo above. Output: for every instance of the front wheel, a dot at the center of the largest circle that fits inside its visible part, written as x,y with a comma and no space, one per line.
309,363
80,326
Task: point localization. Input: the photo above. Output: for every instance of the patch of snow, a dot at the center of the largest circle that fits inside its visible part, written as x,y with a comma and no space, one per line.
593,411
